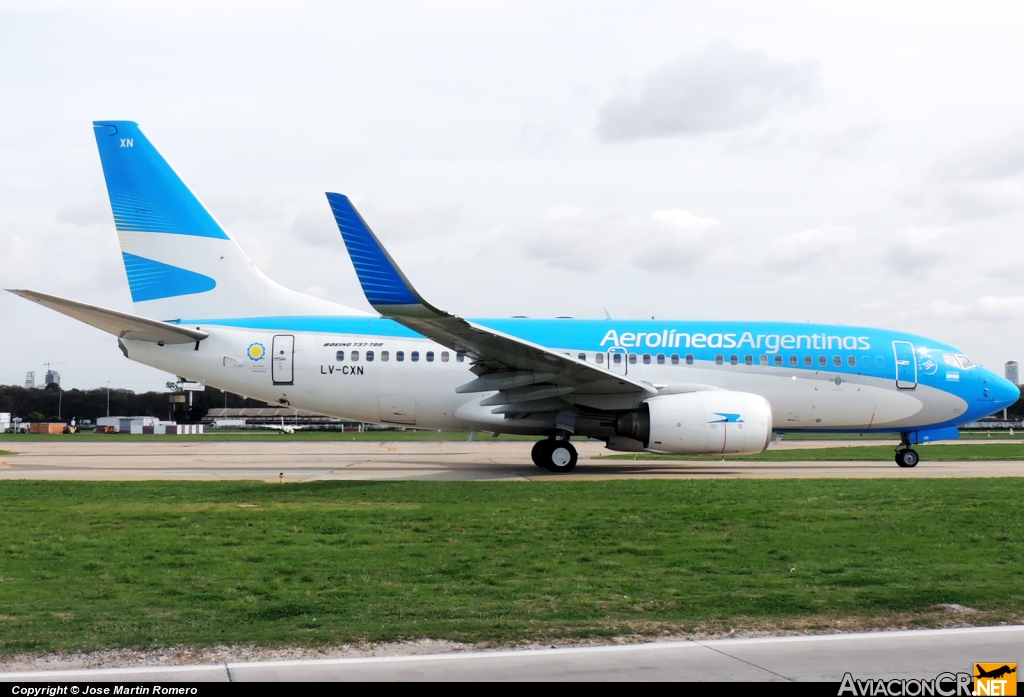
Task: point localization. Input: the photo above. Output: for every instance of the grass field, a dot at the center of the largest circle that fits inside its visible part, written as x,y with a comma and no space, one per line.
933,453
86,565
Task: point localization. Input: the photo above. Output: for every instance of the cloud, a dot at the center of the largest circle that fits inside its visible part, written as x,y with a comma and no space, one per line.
979,182
921,250
668,241
403,220
803,248
93,212
990,308
721,89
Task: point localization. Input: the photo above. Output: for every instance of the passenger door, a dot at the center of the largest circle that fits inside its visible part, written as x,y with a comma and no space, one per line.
282,369
906,365
617,360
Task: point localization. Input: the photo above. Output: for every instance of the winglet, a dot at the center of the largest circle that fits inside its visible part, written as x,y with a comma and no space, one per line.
384,284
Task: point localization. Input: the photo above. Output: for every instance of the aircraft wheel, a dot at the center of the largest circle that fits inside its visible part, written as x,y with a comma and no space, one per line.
907,458
560,456
537,454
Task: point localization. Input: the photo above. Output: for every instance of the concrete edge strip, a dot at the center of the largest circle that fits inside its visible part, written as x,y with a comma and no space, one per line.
520,653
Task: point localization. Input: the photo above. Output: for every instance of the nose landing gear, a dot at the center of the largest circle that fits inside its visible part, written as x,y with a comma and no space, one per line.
554,455
905,455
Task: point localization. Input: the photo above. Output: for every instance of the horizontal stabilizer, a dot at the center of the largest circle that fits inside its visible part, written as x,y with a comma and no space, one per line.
119,324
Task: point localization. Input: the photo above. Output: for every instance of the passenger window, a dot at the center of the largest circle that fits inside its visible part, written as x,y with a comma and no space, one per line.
793,360
384,356
647,359
675,359
444,356
598,358
632,359
460,356
778,359
734,359
339,356
689,359
369,356
719,360
865,361
414,356
582,356
851,361
822,361
661,359
764,359
430,356
808,361
879,362
355,355
837,361
748,359
617,358
399,356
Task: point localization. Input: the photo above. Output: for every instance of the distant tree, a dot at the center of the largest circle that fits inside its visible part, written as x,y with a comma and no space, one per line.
34,403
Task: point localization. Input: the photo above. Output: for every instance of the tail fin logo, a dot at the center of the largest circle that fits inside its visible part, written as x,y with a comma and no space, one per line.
127,142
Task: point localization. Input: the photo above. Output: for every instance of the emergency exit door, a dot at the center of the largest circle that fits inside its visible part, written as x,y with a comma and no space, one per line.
906,365
282,369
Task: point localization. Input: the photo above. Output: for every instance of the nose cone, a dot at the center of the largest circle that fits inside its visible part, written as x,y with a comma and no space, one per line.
1002,392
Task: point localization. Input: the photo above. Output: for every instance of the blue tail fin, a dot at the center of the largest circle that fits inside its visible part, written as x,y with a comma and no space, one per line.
146,194
179,261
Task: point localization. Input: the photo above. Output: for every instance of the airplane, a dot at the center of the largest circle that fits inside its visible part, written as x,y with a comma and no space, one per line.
283,428
996,672
204,311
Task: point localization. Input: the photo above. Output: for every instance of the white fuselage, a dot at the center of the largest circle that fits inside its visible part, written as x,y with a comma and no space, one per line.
423,393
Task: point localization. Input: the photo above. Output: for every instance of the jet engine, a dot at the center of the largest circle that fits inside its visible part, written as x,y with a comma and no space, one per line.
700,423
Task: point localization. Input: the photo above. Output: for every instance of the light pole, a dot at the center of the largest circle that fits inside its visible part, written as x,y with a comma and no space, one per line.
108,398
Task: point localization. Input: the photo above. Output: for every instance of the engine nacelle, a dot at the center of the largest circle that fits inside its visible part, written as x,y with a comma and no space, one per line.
718,422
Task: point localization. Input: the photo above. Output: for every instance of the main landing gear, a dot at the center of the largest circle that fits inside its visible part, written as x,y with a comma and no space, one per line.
905,455
554,455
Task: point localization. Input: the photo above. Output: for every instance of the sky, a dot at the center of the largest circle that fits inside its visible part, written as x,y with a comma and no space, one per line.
855,163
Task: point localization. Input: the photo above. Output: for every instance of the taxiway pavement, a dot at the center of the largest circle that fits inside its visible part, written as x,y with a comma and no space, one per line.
306,461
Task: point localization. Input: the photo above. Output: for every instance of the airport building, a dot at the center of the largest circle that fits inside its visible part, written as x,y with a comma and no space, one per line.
145,425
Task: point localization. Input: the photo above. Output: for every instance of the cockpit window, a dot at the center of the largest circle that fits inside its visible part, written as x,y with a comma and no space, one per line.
964,361
950,359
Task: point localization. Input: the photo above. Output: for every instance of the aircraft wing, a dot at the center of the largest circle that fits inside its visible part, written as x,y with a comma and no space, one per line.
502,361
120,324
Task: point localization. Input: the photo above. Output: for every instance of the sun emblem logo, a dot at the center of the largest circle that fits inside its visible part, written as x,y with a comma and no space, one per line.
256,351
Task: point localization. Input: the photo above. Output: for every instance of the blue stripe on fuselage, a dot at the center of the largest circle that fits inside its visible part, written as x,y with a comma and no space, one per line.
640,336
